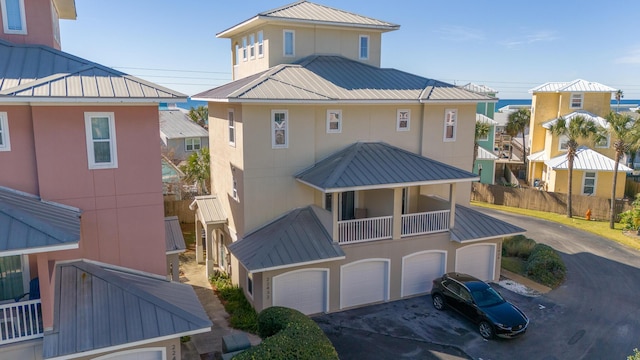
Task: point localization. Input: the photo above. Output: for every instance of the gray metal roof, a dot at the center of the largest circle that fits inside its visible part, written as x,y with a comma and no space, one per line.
586,159
98,307
598,120
482,89
176,124
334,79
370,165
471,225
30,225
577,85
298,237
174,238
306,12
209,208
37,71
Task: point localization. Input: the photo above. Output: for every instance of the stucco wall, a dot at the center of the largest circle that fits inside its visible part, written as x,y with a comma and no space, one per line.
39,21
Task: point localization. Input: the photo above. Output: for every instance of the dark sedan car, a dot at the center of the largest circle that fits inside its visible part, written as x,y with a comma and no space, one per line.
479,302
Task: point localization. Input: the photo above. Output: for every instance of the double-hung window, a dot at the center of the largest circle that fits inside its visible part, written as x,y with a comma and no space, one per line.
13,17
364,47
252,46
260,44
563,143
588,183
450,121
289,39
576,100
403,120
604,142
234,188
232,127
279,129
192,144
334,121
101,140
5,144
244,48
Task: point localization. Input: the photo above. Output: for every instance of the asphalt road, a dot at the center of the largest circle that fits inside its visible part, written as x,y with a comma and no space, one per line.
595,314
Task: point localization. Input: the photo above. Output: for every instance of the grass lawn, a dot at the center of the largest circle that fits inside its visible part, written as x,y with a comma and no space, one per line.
514,264
600,228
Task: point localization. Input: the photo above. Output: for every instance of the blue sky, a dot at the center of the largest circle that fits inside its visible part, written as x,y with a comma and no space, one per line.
511,46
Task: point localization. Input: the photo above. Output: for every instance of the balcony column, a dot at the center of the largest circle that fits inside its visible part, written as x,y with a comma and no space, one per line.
397,213
334,214
452,201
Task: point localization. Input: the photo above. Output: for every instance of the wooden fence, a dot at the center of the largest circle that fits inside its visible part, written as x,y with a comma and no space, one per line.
533,199
180,208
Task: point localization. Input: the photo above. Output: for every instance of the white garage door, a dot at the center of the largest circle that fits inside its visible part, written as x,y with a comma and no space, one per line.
419,270
477,260
138,354
303,290
364,282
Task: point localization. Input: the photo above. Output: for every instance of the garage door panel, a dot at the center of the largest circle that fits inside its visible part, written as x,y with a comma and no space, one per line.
477,260
419,271
305,291
364,283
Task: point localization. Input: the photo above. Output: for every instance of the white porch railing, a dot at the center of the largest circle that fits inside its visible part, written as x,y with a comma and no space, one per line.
20,321
425,223
368,229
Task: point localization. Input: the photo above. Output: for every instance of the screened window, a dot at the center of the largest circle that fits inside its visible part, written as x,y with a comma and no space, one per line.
279,129
192,144
450,120
403,120
101,140
260,44
576,101
289,43
364,47
252,46
13,17
589,183
334,121
232,127
5,144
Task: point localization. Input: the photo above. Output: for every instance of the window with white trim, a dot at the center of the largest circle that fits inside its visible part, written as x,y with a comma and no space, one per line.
250,284
234,188
450,122
100,130
289,41
237,62
192,144
279,129
260,44
403,120
576,100
604,143
563,143
252,46
5,142
334,121
232,127
56,24
589,183
244,48
13,17
363,53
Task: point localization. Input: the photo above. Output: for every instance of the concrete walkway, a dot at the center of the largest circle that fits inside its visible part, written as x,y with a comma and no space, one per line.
208,345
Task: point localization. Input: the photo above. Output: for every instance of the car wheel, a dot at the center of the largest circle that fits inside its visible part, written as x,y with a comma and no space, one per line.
438,301
486,330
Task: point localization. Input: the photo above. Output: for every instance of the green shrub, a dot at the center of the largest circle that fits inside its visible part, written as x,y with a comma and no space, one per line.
289,334
545,266
242,315
517,246
630,219
635,356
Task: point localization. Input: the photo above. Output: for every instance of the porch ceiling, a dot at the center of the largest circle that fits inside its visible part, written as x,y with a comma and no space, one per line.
377,165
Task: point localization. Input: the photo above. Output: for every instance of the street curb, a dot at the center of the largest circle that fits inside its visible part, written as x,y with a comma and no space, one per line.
526,282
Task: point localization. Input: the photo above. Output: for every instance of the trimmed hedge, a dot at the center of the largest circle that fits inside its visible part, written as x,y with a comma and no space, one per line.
289,334
518,246
545,266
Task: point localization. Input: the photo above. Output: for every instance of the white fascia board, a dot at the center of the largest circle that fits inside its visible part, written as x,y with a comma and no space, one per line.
295,264
42,249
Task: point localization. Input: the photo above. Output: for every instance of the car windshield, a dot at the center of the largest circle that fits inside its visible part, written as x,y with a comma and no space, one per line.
487,297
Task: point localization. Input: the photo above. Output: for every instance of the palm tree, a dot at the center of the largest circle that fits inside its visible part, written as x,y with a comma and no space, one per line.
619,95
198,169
577,128
626,131
482,130
517,124
200,115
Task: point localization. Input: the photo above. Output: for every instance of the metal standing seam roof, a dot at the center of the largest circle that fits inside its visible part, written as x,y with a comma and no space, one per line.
371,165
99,307
485,119
598,120
311,13
586,159
333,78
30,225
209,209
577,85
471,225
538,156
481,89
41,72
484,154
298,237
174,239
175,124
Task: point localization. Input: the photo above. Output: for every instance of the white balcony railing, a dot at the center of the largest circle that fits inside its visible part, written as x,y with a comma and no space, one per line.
368,229
425,223
20,321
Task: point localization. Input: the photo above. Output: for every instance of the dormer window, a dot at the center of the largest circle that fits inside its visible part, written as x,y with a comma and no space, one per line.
252,46
289,38
576,101
364,47
13,17
244,48
260,44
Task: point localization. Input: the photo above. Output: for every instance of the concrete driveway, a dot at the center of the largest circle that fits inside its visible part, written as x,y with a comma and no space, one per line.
595,314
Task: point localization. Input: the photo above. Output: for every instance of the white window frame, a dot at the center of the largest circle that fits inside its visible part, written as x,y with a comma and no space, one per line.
284,43
237,55
252,46
56,24
244,48
231,118
260,44
285,128
4,132
563,140
577,96
368,44
194,146
585,178
484,137
605,144
112,140
403,120
250,284
234,188
334,117
450,114
5,19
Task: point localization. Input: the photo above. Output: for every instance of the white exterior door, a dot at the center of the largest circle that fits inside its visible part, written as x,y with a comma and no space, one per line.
420,269
364,282
303,290
477,260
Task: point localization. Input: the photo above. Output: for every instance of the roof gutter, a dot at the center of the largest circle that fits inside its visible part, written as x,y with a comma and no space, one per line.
388,186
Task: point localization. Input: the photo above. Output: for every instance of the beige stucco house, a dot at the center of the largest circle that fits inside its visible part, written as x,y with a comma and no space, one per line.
338,183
